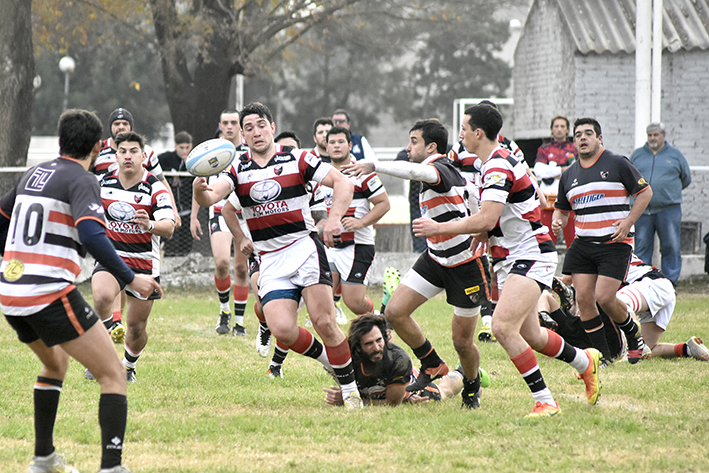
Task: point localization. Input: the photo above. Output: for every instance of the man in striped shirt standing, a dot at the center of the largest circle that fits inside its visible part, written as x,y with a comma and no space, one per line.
449,264
138,211
51,218
598,188
524,259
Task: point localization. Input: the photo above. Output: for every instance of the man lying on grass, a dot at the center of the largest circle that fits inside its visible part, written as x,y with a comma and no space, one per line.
383,370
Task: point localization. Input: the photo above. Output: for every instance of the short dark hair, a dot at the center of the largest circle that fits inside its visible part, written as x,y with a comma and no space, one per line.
130,136
79,131
485,117
559,117
287,134
361,326
322,121
433,131
182,138
227,110
588,121
342,111
337,130
255,108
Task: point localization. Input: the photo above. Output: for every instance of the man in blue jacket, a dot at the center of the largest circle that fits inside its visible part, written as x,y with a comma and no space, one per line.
667,171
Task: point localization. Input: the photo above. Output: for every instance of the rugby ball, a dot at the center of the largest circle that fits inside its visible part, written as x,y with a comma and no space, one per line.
210,157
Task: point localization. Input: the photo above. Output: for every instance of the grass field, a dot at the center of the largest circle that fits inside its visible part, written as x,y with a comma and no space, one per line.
204,403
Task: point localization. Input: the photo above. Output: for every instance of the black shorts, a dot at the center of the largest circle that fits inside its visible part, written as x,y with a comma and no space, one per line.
64,320
254,266
604,259
467,285
154,296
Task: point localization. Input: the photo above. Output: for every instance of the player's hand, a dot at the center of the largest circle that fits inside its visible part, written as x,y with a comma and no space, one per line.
144,284
416,399
200,184
622,231
358,168
195,228
332,232
351,223
142,218
480,243
425,227
333,396
557,226
178,220
246,246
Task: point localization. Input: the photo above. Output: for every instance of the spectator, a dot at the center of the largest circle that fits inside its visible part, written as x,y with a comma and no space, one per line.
667,171
360,146
552,159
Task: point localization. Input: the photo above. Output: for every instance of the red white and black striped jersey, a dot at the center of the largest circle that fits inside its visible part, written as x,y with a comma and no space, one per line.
365,187
43,252
275,198
138,248
600,195
519,232
216,209
446,201
106,161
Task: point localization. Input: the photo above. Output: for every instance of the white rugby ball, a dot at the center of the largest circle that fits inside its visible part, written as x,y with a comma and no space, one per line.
210,157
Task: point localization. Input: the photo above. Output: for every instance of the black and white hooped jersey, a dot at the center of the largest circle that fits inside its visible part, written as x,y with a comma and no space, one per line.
43,252
139,249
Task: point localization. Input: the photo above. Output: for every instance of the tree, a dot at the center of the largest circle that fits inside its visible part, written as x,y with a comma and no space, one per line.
16,82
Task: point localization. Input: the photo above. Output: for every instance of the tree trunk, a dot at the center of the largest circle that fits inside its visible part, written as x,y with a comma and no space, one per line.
16,86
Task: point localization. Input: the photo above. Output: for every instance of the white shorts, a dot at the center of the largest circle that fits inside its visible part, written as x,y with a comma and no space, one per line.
540,271
352,263
660,297
299,265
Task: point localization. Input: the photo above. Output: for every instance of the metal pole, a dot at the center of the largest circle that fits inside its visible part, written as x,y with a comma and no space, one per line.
657,61
66,91
643,32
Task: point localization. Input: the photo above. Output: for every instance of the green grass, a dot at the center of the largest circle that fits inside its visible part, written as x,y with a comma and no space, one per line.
204,403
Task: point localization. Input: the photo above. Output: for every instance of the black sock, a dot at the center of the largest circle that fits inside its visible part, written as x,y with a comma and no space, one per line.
596,335
108,322
427,354
629,327
279,355
471,385
112,416
46,401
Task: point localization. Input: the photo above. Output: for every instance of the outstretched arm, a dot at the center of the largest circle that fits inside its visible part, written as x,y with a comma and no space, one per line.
400,169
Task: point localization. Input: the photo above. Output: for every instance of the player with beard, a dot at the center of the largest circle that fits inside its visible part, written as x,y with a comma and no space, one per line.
383,370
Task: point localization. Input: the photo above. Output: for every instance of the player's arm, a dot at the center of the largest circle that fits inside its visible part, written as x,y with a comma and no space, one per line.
343,190
483,221
206,195
229,213
195,226
178,219
400,169
642,199
380,206
92,235
559,219
163,227
395,394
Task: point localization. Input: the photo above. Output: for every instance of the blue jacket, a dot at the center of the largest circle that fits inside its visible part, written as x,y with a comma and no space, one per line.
667,172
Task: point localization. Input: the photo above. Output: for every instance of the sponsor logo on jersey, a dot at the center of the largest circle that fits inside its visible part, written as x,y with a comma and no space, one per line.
587,199
312,160
575,183
124,227
163,200
282,158
494,178
14,270
374,183
38,179
143,187
121,211
265,191
269,208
